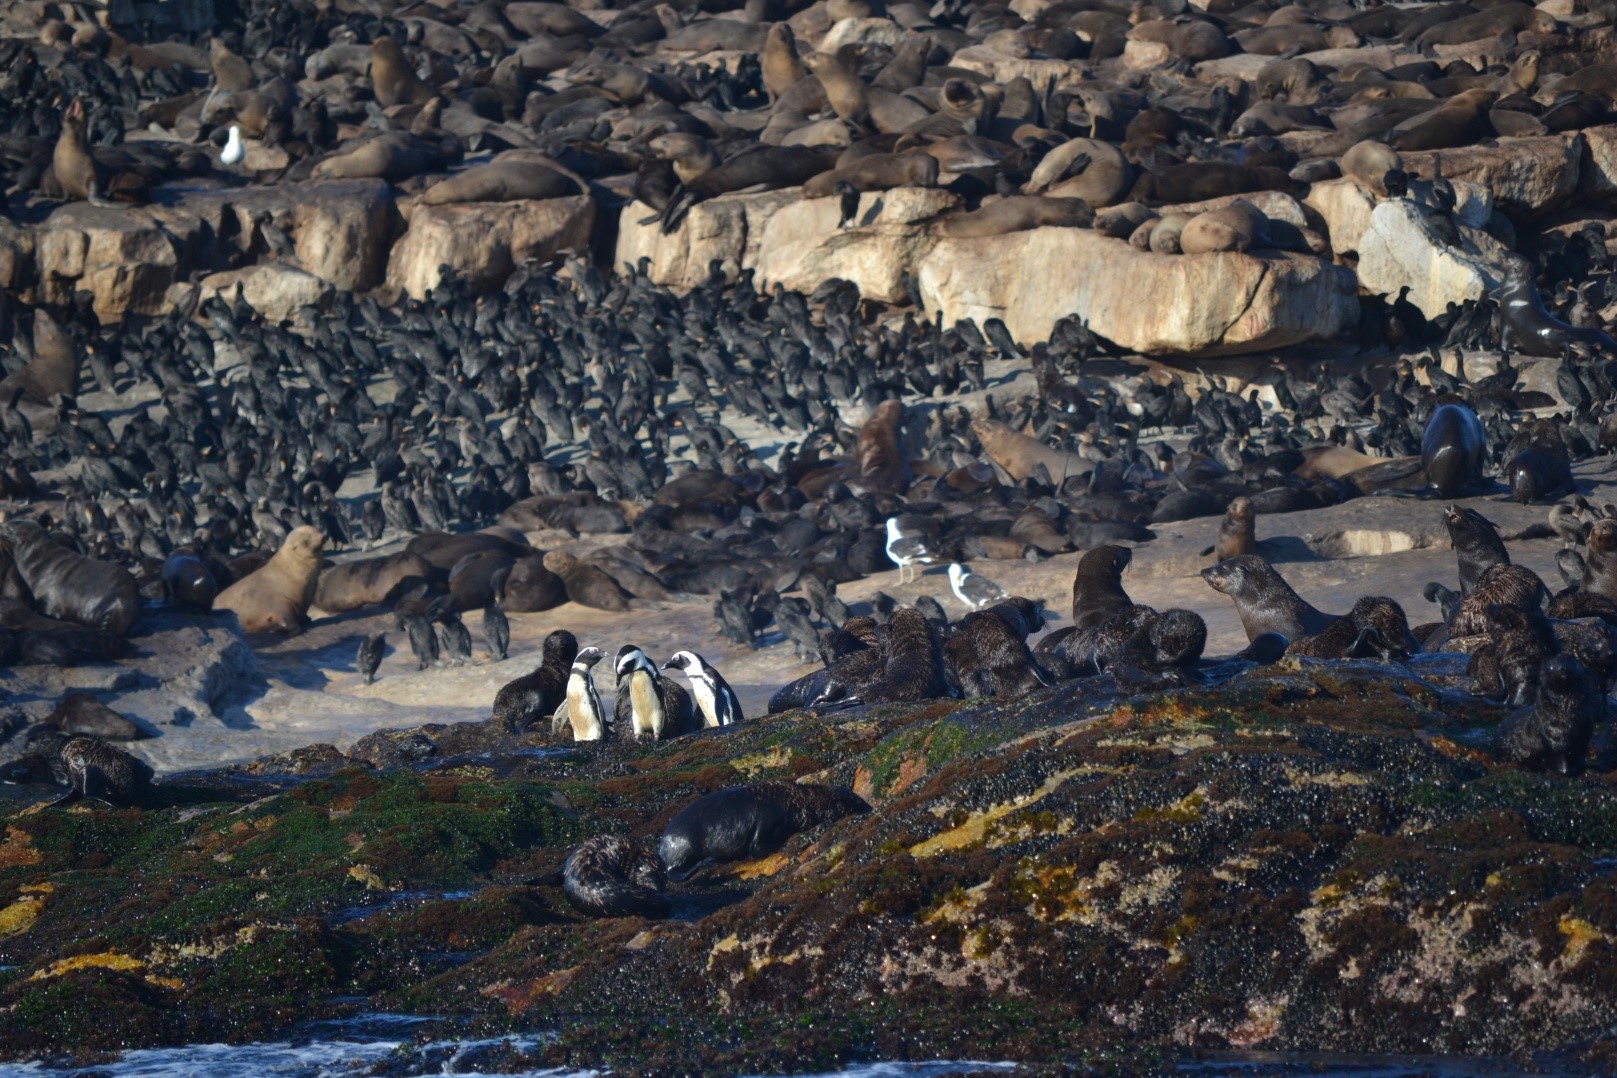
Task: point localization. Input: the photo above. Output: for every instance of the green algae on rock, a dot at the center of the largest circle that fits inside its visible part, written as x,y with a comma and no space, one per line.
1312,857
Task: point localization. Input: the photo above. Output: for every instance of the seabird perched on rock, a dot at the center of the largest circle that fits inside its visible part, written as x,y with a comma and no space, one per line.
234,151
905,550
973,590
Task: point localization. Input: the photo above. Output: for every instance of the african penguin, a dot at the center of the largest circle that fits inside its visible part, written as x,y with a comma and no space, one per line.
713,695
649,703
581,708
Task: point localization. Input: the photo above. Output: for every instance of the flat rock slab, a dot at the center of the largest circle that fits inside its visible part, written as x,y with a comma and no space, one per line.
1212,304
727,230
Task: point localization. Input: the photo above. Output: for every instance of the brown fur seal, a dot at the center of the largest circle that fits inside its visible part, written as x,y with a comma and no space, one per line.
1090,169
1553,733
613,876
782,67
586,585
1496,20
880,466
472,579
443,551
79,713
368,581
742,823
394,80
1456,122
393,156
100,772
1017,213
1600,566
1206,180
1019,455
1240,226
534,697
53,371
276,598
530,587
877,172
847,93
1237,535
691,155
77,172
1097,586
1263,599
68,586
514,175
912,663
988,650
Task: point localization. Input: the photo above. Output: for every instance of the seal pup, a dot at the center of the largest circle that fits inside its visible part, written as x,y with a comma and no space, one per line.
581,709
1600,565
906,550
97,771
187,581
80,713
277,596
988,650
1263,599
714,698
1553,733
1519,643
649,703
973,590
370,656
612,876
1452,447
743,823
1237,534
537,695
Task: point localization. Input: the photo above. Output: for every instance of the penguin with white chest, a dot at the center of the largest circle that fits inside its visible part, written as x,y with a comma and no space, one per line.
714,698
581,709
648,703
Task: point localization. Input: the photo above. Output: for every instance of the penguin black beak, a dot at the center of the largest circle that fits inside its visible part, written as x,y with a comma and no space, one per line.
670,665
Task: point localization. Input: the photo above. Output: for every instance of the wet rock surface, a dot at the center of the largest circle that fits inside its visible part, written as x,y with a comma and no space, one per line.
1312,856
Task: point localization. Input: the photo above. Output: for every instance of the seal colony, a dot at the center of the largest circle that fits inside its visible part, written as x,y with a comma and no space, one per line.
547,429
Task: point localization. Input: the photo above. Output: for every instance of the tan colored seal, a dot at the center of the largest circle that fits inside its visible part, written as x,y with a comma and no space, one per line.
276,597
1240,226
1017,213
367,581
393,79
1019,455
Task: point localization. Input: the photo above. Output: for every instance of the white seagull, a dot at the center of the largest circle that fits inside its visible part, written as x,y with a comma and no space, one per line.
973,590
906,550
234,151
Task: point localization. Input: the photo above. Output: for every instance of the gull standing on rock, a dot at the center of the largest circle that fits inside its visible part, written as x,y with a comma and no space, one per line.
234,151
973,590
906,550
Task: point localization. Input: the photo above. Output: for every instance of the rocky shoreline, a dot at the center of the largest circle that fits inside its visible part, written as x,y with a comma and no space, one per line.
1314,857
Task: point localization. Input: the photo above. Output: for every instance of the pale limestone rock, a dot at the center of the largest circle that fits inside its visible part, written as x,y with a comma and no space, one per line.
1524,175
802,246
119,254
728,229
1145,55
1400,248
484,242
1345,205
862,32
1598,181
1210,304
274,290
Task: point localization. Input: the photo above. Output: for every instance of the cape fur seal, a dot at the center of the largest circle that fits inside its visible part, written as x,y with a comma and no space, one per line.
1533,329
351,585
68,586
1016,213
1553,733
1263,599
613,876
742,823
276,597
1452,448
